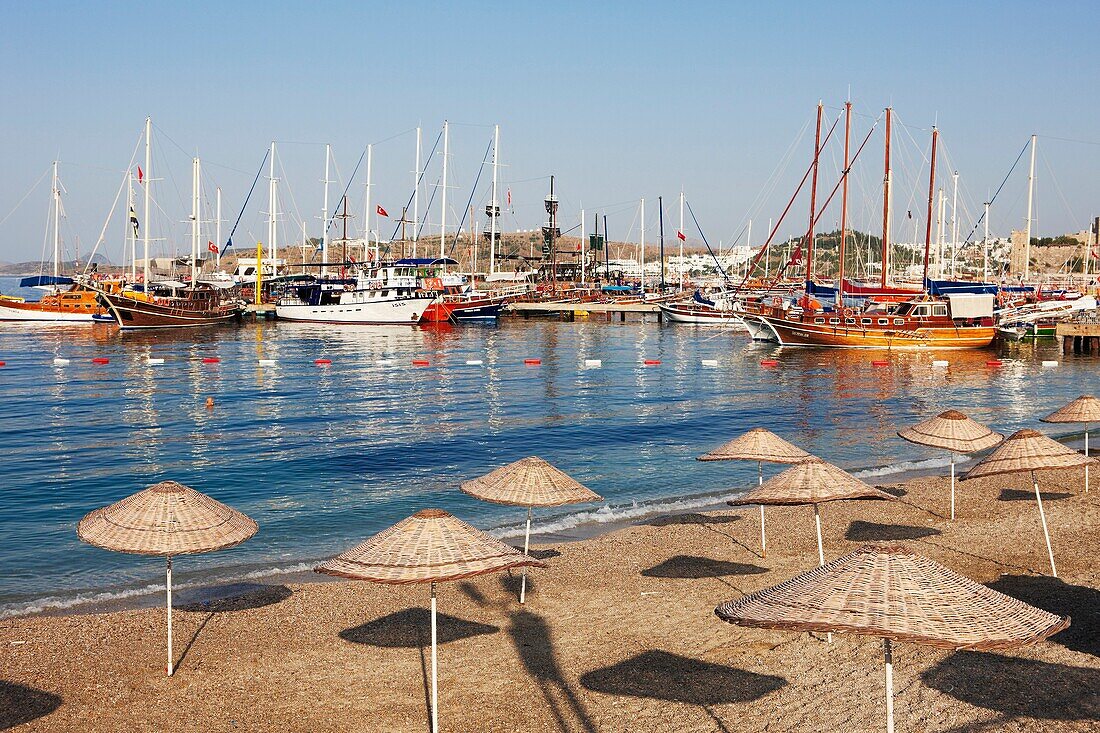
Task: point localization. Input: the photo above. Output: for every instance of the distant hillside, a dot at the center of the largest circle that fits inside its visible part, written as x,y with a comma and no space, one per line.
33,268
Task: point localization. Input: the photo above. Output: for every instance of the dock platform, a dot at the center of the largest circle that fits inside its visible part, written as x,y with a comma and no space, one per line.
569,311
1079,337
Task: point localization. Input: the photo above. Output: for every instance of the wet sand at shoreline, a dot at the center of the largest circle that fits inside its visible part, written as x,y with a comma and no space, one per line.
618,634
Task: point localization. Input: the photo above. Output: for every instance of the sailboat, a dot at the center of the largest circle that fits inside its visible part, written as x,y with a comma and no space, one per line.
953,321
170,303
66,299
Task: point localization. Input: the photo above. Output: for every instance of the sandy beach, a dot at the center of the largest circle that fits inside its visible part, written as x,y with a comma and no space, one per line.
618,634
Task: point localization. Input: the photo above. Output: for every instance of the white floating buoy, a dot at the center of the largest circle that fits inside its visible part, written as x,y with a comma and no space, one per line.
384,362
593,362
267,362
151,360
1050,364
60,362
474,362
940,364
710,362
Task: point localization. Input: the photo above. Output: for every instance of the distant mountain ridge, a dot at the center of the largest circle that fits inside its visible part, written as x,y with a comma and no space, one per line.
34,267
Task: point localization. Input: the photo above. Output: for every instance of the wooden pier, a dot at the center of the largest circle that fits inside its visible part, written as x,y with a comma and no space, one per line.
570,311
257,312
1079,337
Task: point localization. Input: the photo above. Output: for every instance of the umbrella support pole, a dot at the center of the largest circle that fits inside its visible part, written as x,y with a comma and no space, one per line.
526,548
888,657
952,487
1043,520
435,673
820,553
763,534
168,586
1086,456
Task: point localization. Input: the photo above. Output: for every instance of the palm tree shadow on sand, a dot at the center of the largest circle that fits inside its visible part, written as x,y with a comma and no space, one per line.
661,675
20,704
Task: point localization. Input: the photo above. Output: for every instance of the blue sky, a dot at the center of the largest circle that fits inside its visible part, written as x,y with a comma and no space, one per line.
619,100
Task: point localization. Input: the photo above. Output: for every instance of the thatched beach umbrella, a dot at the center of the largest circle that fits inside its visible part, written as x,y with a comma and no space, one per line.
165,520
1085,409
758,445
953,432
529,482
812,481
898,595
431,546
1028,451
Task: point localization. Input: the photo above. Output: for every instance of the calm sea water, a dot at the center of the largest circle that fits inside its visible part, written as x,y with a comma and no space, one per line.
322,457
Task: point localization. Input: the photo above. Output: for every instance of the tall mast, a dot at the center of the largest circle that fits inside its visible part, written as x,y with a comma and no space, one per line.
661,233
194,221
443,219
584,249
148,180
985,245
368,210
1030,197
416,194
324,216
494,210
131,230
954,222
931,194
886,202
56,225
272,205
641,245
940,215
813,198
680,235
844,202
218,226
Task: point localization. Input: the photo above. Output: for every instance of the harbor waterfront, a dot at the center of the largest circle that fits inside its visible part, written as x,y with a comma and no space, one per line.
322,454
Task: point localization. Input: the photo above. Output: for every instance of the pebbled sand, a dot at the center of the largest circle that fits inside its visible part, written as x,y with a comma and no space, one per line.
618,634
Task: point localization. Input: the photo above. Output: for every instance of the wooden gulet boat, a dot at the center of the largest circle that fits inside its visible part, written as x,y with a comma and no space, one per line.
955,321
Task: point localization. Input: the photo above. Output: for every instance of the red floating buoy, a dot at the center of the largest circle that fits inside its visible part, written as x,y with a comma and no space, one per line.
420,362
322,362
769,362
211,360
2,363
101,360
652,362
532,362
994,363
880,363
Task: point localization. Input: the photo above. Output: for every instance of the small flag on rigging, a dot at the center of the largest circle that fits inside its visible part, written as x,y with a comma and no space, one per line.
681,237
212,247
382,212
141,174
134,220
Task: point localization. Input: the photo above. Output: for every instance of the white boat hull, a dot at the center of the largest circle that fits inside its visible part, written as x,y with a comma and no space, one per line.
699,317
21,314
399,311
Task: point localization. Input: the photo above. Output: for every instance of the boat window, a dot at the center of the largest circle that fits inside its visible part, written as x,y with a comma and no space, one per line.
904,309
850,320
921,311
939,310
884,321
899,321
865,321
834,321
819,320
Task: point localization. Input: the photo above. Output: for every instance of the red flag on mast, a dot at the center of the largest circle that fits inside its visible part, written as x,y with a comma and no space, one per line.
681,237
382,212
141,175
212,247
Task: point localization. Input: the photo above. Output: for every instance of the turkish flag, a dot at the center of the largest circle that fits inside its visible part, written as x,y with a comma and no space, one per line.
382,212
141,175
212,247
681,237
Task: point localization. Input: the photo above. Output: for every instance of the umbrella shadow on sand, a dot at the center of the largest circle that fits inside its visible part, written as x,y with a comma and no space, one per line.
1020,495
20,704
860,531
692,567
1079,602
225,599
661,675
531,636
1016,687
693,518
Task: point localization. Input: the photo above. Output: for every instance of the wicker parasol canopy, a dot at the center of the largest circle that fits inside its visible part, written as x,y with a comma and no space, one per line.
1085,408
757,444
529,482
891,592
953,431
1028,450
166,519
812,481
429,546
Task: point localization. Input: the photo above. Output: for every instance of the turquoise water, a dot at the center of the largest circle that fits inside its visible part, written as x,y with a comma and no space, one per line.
324,456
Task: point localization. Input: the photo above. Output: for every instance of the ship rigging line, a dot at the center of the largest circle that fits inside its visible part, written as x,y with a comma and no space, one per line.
473,191
996,193
240,214
704,236
420,173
